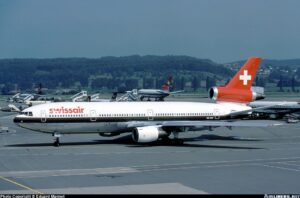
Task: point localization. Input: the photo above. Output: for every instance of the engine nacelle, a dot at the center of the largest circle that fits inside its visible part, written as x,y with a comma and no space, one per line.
234,95
258,92
148,134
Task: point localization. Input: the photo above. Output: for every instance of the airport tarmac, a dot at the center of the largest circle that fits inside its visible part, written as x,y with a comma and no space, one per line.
223,161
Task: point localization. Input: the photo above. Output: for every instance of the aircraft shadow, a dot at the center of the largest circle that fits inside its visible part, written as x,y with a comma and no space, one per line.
122,140
51,144
197,146
127,140
219,137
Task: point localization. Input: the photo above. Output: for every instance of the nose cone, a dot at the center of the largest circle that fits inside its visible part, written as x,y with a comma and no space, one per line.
18,120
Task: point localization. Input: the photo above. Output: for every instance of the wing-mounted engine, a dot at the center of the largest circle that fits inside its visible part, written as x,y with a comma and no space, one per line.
235,95
148,134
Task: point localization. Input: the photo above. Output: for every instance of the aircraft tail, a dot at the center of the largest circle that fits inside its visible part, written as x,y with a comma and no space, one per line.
239,87
244,78
168,85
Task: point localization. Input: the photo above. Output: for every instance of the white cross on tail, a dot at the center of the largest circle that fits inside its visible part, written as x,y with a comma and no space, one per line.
245,77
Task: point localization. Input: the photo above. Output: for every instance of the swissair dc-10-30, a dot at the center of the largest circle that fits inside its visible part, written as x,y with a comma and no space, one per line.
149,121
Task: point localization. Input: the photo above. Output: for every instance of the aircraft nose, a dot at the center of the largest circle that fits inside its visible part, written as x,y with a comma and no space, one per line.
18,119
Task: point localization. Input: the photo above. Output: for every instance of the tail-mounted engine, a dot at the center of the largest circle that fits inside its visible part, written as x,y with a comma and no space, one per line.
239,88
236,95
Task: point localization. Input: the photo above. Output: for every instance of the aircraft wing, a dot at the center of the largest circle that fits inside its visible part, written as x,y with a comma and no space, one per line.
237,113
162,92
283,108
236,123
214,123
205,123
171,92
175,92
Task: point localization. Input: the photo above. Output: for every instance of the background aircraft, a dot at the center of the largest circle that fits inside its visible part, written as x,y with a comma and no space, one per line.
157,94
290,110
11,108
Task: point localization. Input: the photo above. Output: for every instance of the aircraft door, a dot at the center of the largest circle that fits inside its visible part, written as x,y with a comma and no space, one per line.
43,116
150,114
217,114
93,115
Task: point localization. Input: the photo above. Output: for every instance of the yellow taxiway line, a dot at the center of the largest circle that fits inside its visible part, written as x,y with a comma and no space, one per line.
21,185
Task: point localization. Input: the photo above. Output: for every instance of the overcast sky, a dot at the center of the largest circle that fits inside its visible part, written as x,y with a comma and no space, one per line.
221,30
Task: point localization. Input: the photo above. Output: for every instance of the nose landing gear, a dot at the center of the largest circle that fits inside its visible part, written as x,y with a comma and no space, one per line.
56,142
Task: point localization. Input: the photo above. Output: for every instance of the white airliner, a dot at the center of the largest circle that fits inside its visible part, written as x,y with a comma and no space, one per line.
148,121
290,110
158,94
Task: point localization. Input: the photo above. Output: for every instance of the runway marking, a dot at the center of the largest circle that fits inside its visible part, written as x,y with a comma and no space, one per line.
147,152
195,167
283,168
68,172
280,149
290,163
92,153
143,168
216,162
156,188
20,185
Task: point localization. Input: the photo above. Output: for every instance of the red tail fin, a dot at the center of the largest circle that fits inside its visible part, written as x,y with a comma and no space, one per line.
243,79
168,84
239,88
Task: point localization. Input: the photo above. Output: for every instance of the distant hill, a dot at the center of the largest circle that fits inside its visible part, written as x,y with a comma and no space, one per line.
109,72
271,62
289,62
282,73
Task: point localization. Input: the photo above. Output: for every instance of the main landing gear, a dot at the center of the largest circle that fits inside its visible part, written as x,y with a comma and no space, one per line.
56,142
174,141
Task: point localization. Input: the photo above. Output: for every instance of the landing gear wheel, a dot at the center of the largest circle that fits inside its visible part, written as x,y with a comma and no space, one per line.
56,142
166,140
169,141
178,141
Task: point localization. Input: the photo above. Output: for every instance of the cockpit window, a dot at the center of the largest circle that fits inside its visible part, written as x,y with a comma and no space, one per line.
27,113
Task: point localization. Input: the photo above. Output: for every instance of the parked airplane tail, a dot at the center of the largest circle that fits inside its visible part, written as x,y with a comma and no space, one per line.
168,85
243,79
239,87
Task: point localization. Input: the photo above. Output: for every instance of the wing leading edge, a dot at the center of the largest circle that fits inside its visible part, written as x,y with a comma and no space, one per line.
232,123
